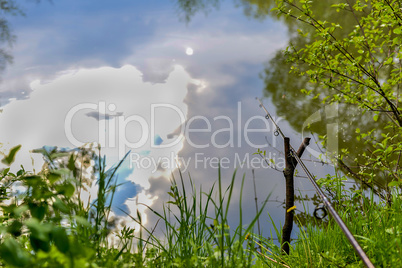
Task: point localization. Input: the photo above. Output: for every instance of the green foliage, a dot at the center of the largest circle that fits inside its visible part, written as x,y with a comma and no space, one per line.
361,68
47,224
188,8
355,60
376,225
347,52
197,237
9,159
7,38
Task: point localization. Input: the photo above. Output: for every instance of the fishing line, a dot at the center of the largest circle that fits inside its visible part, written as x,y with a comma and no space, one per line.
323,197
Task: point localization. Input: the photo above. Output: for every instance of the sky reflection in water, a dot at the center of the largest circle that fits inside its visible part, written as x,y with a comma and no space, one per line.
129,55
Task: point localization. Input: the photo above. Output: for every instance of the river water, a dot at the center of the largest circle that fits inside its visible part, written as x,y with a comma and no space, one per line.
137,77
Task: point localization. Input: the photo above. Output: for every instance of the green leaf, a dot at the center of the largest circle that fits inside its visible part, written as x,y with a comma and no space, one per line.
66,189
71,163
15,228
53,177
39,230
18,211
39,151
38,244
13,210
5,171
9,159
38,210
39,238
389,61
62,171
82,221
20,172
58,204
60,239
394,183
388,150
32,181
13,254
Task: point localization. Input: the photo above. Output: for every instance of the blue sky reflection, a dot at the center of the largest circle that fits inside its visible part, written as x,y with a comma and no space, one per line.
133,54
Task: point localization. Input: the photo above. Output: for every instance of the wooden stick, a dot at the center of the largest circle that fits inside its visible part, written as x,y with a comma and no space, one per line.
290,167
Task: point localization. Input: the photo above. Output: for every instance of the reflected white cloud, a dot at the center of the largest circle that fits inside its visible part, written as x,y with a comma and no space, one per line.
41,119
227,58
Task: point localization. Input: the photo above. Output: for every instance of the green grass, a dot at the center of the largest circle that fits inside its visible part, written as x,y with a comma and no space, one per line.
198,234
376,225
47,225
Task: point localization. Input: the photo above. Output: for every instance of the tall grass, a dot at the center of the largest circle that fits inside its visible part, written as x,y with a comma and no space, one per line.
48,225
376,225
196,237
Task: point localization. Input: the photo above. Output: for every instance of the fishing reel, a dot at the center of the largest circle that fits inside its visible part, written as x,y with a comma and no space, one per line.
320,212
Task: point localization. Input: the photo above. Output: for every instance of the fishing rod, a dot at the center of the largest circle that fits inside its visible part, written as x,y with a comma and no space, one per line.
323,197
